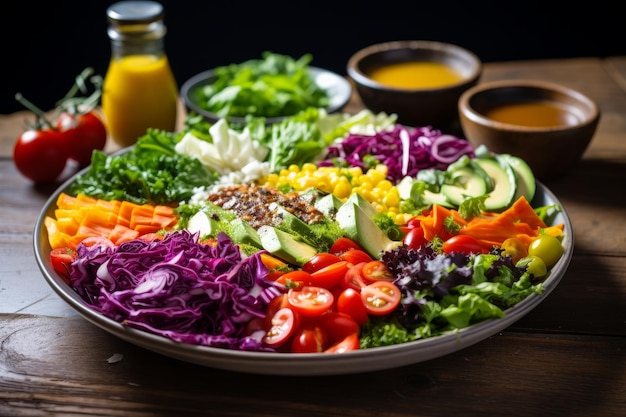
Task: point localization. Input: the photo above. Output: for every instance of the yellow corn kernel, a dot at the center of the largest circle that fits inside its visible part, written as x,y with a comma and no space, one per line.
392,198
343,188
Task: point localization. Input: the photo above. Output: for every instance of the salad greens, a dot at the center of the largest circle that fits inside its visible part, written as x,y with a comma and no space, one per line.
151,172
443,293
276,85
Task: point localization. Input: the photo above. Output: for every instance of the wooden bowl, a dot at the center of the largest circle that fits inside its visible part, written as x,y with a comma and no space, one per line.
426,99
548,125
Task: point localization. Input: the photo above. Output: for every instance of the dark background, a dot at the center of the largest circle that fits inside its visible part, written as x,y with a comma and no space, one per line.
45,45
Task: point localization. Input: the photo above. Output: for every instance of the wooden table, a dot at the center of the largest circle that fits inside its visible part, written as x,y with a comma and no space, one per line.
565,358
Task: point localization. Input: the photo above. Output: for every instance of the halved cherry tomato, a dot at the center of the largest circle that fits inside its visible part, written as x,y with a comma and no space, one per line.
310,301
338,326
309,339
380,297
461,244
62,259
283,325
294,279
414,239
350,342
344,244
355,256
329,276
376,271
350,302
278,302
320,261
354,278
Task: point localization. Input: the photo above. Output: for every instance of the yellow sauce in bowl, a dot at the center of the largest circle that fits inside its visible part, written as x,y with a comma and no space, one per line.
532,114
415,74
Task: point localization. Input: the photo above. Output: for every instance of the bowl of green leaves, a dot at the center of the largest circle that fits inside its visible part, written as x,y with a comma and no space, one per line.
273,88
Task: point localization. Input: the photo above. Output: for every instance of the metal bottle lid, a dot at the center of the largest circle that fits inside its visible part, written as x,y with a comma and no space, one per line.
135,19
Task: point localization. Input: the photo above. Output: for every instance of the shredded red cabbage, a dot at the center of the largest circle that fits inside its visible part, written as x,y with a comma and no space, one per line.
403,149
178,288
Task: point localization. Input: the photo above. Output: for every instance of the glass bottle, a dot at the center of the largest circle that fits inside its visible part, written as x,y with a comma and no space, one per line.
139,90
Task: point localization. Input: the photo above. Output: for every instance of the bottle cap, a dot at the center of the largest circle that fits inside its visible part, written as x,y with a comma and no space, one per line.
135,21
125,12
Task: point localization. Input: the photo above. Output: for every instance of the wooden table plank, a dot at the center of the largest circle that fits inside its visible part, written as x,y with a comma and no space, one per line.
529,374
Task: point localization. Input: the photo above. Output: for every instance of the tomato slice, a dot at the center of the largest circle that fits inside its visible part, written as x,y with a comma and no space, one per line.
320,261
310,301
376,271
344,244
329,276
62,259
350,302
461,244
350,342
354,278
309,339
294,279
283,325
355,256
380,297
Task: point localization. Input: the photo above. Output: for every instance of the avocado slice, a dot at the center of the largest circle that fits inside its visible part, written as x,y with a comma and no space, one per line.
242,233
470,183
203,224
504,183
285,245
359,225
329,204
526,182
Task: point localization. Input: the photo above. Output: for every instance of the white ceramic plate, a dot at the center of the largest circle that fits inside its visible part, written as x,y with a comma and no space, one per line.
338,88
305,364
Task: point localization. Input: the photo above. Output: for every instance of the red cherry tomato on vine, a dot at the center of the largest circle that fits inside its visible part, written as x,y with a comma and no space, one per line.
380,297
414,239
83,133
461,244
376,271
310,301
40,155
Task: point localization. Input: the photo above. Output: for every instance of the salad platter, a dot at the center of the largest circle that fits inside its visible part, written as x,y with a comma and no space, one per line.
282,363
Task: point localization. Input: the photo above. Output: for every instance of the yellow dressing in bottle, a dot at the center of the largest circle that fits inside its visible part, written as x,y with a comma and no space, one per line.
139,90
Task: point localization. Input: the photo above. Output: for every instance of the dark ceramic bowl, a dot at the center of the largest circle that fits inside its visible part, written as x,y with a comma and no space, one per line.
338,88
421,106
548,125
